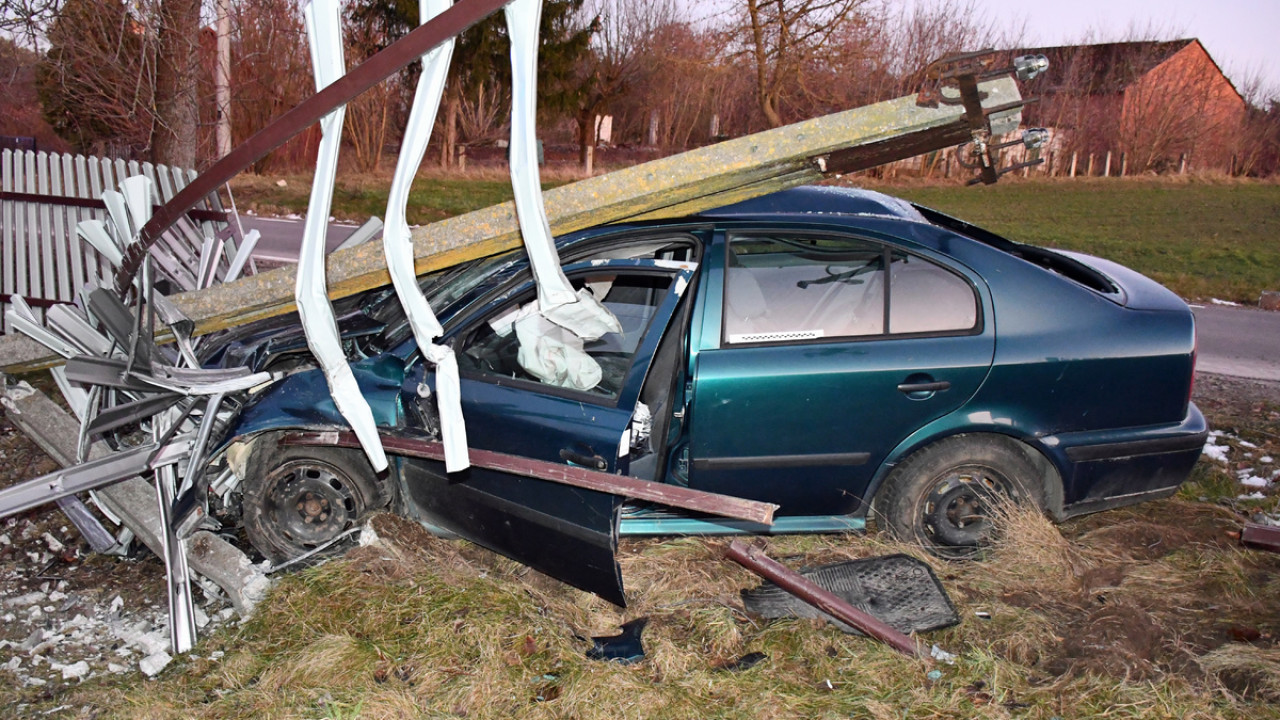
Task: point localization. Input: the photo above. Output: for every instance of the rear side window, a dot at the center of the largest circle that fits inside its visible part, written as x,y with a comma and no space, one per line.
783,288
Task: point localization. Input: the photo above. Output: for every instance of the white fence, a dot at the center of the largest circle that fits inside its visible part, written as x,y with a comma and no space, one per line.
44,195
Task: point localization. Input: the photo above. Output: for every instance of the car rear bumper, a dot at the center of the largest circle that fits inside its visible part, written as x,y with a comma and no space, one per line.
1112,468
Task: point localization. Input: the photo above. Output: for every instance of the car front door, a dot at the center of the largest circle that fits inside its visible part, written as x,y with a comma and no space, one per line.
550,397
818,353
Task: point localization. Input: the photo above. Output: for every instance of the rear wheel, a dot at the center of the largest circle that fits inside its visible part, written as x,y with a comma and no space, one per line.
297,499
947,496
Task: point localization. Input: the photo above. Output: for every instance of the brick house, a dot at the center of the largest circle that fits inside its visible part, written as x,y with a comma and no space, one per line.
1154,101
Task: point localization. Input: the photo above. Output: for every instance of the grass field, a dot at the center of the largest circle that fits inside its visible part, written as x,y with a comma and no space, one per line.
1202,239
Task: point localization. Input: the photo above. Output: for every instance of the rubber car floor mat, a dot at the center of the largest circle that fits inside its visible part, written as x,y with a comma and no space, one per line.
897,589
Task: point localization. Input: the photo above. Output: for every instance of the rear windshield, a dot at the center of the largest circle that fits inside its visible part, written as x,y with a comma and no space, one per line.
1069,268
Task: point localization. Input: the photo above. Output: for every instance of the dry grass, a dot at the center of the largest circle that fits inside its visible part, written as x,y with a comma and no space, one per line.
1085,621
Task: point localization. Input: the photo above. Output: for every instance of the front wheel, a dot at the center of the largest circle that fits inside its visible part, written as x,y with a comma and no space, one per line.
298,499
947,495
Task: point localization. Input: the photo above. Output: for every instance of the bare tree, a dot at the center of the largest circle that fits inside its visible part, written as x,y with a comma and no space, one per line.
621,34
174,137
97,79
271,74
786,36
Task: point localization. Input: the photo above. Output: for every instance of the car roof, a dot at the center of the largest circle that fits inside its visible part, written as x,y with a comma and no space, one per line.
820,200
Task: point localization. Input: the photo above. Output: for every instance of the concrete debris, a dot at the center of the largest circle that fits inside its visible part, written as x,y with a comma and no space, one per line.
153,664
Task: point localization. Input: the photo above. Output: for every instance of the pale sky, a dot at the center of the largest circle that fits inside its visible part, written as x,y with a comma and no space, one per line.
1243,36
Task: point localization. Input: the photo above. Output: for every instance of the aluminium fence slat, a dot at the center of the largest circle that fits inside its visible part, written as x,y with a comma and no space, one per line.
64,252
76,253
48,256
94,264
20,262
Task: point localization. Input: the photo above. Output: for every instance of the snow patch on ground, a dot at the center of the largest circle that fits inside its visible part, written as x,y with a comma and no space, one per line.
1214,451
1228,303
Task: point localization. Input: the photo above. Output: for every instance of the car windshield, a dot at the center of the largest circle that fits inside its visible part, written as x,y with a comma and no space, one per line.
441,288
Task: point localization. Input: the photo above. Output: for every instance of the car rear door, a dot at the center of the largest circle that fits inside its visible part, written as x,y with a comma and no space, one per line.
817,354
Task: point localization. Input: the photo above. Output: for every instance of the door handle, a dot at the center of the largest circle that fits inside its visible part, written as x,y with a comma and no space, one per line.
924,387
594,462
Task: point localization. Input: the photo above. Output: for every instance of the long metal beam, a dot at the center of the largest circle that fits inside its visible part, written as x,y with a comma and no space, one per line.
382,65
669,495
675,186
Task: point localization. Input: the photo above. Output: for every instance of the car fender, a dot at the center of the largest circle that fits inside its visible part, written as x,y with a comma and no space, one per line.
971,420
302,400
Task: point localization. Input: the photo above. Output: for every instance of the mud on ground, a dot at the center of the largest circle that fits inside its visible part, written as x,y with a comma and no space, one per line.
1135,594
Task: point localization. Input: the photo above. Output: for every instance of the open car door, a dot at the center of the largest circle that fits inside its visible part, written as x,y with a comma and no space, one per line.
537,391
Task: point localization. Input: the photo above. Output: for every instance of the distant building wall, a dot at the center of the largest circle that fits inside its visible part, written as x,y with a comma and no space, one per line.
1184,105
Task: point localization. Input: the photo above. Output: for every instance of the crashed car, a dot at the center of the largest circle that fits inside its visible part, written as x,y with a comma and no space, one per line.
846,355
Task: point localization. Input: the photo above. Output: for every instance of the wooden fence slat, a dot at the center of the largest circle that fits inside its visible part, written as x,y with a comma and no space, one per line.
44,229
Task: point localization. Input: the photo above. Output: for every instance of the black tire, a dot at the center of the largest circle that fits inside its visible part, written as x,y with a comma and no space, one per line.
940,497
297,499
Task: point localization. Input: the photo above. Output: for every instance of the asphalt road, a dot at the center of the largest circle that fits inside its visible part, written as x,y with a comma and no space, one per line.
281,237
1236,341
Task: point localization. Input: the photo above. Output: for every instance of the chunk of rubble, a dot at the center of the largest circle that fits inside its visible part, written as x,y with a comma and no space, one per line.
154,663
75,671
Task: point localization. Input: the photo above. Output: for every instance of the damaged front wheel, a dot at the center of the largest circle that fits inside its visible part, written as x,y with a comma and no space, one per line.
298,499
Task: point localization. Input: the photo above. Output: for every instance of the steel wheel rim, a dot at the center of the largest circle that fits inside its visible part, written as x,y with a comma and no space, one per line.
309,502
957,511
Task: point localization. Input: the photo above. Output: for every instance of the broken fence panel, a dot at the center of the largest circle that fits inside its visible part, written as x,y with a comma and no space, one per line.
324,33
91,475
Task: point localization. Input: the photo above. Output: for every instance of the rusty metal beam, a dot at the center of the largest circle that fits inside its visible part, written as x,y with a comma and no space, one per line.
754,559
669,495
382,65
1263,537
197,214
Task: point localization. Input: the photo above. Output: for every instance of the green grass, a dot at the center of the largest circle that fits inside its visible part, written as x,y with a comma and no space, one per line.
1202,240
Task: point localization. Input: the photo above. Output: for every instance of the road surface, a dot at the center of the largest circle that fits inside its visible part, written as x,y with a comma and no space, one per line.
1238,341
281,237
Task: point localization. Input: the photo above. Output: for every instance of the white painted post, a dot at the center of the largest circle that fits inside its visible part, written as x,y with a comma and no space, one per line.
653,128
1106,169
1074,158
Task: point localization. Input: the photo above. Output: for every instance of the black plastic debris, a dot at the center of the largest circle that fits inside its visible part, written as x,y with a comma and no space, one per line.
746,662
899,590
624,648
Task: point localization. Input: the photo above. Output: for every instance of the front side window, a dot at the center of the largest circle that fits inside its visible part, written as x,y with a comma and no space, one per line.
516,342
781,288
